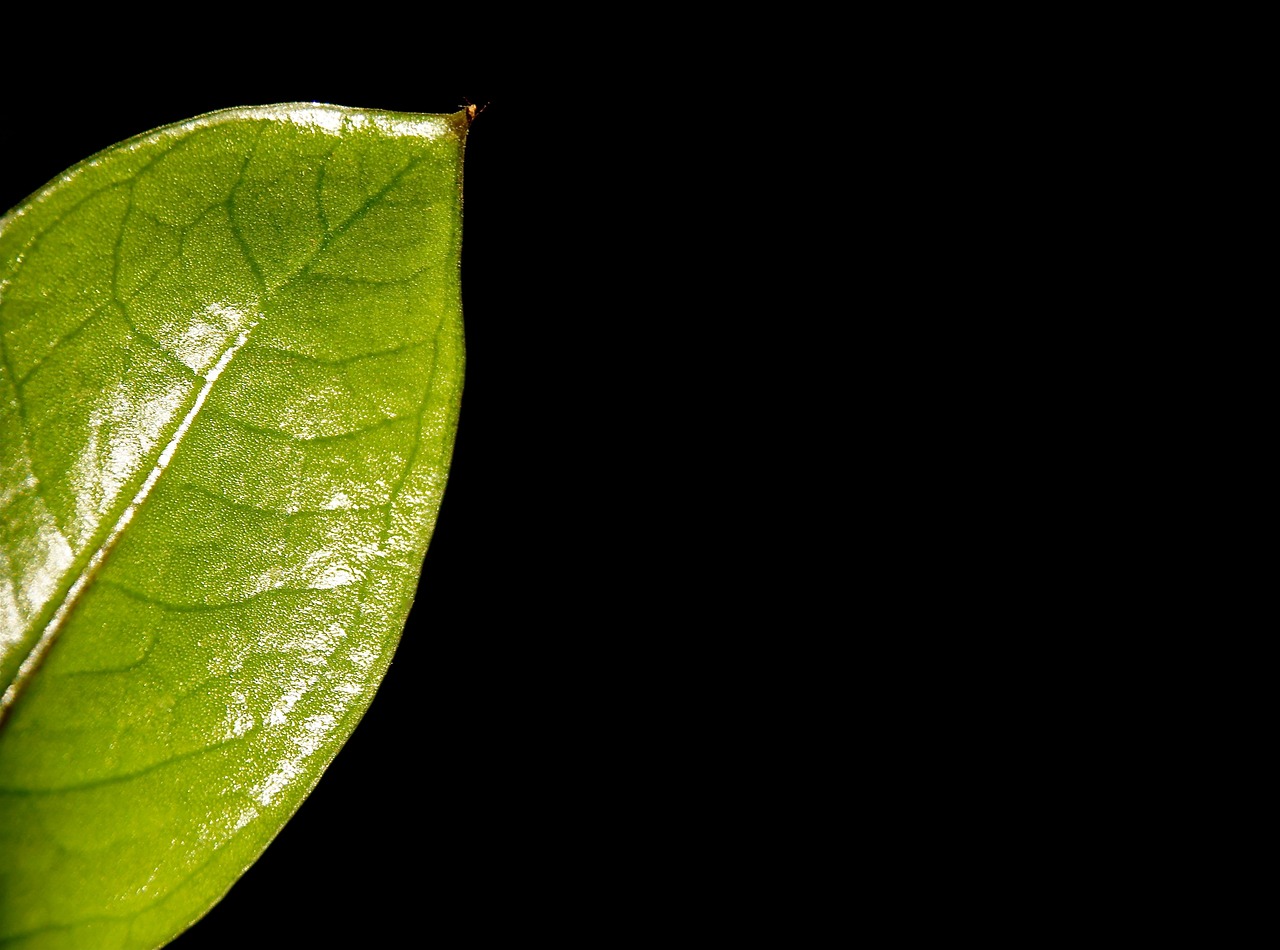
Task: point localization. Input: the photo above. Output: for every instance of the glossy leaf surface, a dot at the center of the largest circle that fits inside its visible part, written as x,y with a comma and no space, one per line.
231,363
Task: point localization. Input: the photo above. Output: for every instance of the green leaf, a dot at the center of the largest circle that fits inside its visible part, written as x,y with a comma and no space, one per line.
231,362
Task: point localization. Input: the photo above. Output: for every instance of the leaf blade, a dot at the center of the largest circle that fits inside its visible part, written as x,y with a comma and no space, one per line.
271,450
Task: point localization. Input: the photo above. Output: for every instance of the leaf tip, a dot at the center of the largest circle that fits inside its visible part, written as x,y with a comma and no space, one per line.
472,110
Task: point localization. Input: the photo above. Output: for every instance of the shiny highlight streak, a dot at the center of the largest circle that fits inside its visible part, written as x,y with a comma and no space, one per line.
55,624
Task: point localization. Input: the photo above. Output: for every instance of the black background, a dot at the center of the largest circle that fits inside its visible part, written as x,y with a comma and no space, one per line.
468,795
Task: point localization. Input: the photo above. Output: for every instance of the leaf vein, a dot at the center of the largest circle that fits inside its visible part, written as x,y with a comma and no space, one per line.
230,204
171,607
346,360
305,439
278,512
53,348
25,791
356,216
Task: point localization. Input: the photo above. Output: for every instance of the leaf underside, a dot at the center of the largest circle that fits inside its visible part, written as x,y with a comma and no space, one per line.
231,362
